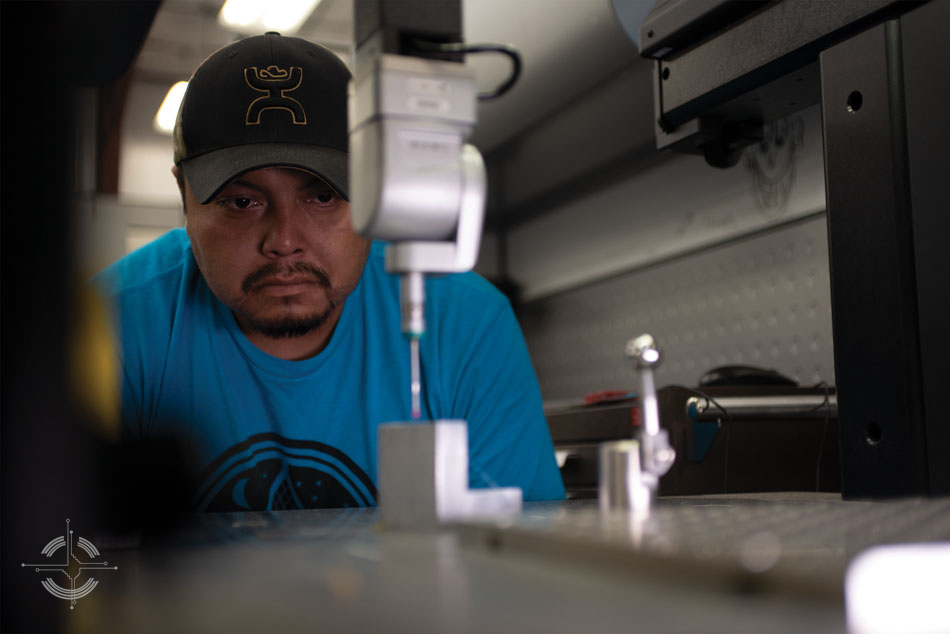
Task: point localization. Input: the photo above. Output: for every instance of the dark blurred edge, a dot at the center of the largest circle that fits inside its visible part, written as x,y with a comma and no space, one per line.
53,468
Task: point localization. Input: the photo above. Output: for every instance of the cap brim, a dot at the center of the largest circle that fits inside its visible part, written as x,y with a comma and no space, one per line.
208,173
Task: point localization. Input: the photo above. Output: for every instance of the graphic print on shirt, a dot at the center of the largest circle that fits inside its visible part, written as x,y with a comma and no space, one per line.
268,472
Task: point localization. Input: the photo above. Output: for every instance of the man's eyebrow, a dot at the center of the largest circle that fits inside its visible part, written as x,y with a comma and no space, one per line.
313,183
316,180
316,183
240,182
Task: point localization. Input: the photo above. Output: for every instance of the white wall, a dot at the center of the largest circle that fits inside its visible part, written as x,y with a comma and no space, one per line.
145,158
674,208
148,203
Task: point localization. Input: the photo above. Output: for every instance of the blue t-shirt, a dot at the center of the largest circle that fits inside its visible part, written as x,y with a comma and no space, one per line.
274,434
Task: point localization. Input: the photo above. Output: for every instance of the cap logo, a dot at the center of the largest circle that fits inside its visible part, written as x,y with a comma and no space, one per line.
275,83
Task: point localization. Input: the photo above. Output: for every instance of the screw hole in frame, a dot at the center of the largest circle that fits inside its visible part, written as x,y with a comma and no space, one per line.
855,101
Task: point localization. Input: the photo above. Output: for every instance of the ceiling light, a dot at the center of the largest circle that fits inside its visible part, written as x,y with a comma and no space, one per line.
168,111
240,13
257,16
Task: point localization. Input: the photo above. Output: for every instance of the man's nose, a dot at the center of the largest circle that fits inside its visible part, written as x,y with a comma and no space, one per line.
285,235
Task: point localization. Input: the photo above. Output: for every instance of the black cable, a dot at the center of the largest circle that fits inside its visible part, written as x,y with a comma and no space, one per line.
725,440
824,432
461,47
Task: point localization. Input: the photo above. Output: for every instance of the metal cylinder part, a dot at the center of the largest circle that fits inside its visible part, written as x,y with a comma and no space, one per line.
621,484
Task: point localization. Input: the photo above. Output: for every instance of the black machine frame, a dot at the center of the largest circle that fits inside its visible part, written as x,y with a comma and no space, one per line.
880,70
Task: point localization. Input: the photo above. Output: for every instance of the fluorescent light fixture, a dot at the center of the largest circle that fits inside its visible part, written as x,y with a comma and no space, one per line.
258,16
168,111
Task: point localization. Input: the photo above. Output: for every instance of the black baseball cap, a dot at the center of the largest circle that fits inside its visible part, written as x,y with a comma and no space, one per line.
264,101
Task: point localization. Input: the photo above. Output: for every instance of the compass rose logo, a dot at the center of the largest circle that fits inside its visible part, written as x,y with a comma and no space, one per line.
73,568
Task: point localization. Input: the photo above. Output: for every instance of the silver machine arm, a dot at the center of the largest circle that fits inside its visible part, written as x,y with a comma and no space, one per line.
418,185
415,182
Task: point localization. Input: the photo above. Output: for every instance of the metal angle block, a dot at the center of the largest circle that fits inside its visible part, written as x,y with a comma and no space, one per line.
423,477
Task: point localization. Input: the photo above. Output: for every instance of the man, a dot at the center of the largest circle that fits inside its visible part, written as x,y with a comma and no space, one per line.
267,332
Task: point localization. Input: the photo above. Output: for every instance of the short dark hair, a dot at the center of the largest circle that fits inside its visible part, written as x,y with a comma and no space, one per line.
180,177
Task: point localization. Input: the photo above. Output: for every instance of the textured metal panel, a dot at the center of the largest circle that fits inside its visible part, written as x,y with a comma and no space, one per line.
762,300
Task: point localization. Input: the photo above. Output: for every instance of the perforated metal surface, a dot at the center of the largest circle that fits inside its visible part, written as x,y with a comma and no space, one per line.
554,568
799,541
762,300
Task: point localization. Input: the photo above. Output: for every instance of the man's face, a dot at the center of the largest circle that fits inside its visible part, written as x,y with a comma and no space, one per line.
277,247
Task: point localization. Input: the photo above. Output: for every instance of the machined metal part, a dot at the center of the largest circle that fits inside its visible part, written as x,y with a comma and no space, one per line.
423,477
622,486
643,350
629,471
656,453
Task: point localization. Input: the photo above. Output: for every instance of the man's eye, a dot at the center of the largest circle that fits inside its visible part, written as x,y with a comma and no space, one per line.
324,197
236,202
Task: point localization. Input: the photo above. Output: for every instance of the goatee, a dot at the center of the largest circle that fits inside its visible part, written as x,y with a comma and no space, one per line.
290,327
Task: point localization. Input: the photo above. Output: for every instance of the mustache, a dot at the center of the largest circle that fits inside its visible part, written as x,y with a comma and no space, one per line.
276,270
